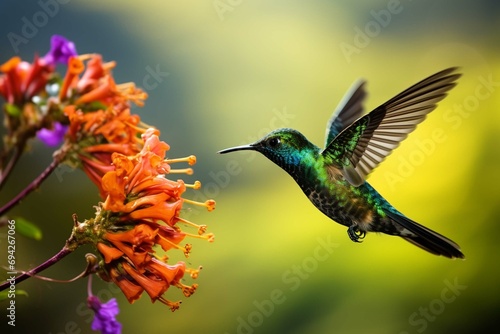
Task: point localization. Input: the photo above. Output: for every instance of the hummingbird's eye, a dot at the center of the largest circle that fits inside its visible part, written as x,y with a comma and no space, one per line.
274,142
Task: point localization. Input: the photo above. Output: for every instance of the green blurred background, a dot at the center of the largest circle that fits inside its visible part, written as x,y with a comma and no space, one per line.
237,69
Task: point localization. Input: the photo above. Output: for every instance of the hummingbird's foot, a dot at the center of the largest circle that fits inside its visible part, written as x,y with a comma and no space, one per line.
355,234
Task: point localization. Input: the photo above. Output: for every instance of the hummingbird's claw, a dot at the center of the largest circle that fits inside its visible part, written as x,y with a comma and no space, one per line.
355,234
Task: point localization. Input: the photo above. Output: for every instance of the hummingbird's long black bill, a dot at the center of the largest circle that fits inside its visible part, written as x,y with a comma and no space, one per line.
237,148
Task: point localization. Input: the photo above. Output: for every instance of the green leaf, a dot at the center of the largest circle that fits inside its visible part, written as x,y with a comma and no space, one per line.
28,229
5,294
12,110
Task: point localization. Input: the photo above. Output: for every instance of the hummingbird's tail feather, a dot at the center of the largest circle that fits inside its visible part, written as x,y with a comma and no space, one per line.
426,238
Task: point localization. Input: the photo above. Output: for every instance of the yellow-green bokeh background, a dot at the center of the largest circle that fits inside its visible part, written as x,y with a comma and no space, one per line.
228,80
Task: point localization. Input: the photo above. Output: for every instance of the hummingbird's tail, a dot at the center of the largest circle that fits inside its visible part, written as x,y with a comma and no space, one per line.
426,238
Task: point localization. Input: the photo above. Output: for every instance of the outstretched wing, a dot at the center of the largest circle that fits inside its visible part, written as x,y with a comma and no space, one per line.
360,147
349,109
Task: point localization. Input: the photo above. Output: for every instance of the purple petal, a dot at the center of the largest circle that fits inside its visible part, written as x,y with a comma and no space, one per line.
52,137
104,319
60,50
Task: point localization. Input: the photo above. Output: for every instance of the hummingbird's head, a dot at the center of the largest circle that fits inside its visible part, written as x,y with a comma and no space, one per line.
285,147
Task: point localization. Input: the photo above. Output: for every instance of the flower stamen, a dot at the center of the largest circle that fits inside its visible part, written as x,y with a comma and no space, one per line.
194,272
201,228
187,290
172,305
196,185
132,93
186,249
210,237
191,160
209,203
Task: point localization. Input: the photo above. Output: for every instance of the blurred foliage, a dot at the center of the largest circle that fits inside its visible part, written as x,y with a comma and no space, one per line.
233,76
27,229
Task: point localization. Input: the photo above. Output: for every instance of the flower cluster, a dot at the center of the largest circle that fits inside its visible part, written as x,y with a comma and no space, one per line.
139,217
87,100
100,121
141,211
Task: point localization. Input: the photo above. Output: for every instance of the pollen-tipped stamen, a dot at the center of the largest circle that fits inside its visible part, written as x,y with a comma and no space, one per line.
210,237
201,228
194,272
196,185
172,305
186,249
209,203
187,290
191,160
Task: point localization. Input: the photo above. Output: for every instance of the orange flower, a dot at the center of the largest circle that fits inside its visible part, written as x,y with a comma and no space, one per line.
130,288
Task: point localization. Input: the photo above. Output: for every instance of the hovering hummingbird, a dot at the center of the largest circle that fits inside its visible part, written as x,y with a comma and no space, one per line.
334,178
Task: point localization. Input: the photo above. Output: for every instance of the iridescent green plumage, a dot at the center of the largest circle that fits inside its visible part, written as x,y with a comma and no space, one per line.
334,178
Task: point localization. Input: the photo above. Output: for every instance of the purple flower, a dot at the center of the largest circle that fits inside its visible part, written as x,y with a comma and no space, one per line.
60,50
52,137
104,320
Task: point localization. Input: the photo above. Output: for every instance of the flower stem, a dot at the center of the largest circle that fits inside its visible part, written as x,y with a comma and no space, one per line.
32,186
4,175
68,248
58,157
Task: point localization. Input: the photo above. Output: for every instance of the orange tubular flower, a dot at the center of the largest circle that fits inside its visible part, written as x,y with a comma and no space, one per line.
75,67
95,71
141,211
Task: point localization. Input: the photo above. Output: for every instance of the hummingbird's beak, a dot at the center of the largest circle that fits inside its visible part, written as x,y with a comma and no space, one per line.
237,148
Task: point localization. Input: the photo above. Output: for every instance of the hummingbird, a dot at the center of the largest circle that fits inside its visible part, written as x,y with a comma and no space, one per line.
334,178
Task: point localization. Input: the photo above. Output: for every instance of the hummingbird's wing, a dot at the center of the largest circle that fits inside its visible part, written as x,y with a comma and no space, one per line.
360,147
350,108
